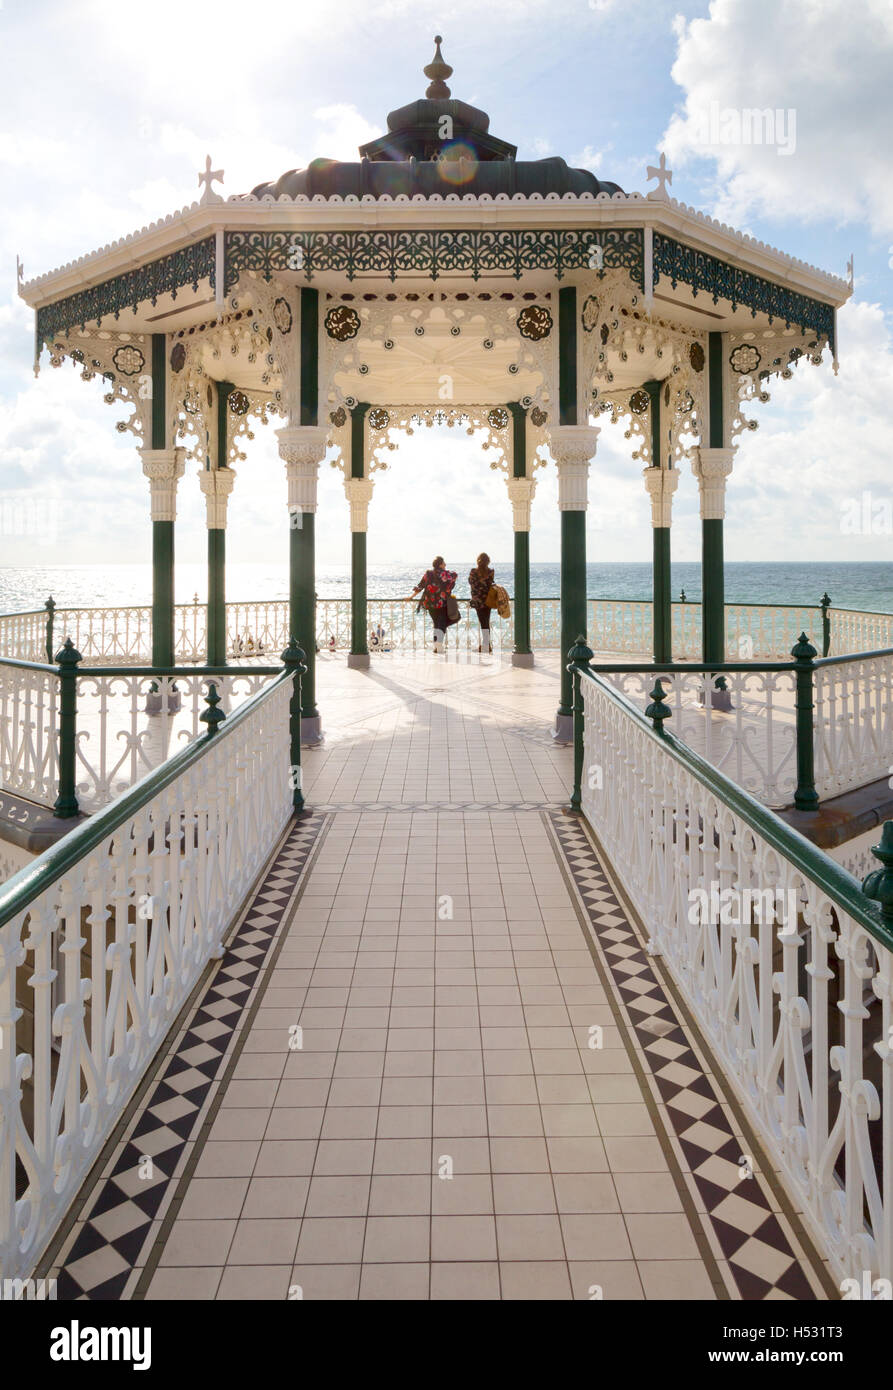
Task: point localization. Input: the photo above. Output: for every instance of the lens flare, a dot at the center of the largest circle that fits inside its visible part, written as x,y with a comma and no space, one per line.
458,163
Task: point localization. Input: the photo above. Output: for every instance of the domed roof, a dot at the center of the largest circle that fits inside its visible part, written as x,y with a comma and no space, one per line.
436,145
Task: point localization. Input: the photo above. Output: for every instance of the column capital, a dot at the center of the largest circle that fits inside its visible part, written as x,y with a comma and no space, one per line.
359,494
217,485
521,492
712,467
163,468
302,447
660,484
572,447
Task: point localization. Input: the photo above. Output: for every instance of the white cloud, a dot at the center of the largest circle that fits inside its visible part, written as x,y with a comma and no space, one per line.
830,65
588,158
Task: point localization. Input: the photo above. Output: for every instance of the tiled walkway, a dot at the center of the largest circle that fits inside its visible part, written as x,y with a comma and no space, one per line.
491,1093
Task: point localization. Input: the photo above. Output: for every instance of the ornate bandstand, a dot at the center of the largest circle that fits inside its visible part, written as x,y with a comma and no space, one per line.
436,279
152,796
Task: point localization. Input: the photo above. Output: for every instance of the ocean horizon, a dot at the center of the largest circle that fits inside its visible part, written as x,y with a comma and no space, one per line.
866,585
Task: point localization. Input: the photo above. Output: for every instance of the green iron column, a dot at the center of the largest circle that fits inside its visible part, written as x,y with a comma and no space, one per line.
661,483
712,465
359,494
302,446
216,481
521,490
163,467
572,446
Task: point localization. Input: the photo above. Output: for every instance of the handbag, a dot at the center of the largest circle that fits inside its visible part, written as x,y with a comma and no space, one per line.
452,611
498,598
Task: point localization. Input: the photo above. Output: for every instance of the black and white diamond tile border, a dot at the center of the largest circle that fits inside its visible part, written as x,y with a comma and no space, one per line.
767,1251
121,1208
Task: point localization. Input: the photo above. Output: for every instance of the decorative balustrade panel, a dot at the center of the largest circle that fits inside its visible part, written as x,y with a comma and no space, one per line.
95,968
29,747
793,993
754,742
763,632
687,640
106,636
128,725
852,631
618,625
259,629
853,724
396,625
753,631
23,636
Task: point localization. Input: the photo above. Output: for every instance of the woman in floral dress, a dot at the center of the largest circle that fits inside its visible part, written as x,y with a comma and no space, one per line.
435,587
479,582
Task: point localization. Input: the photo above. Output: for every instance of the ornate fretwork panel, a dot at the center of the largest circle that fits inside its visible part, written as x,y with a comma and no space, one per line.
444,348
622,347
202,356
145,284
752,359
433,252
123,362
710,275
275,332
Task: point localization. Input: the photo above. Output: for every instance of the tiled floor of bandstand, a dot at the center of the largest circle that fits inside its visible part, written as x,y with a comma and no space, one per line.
435,1061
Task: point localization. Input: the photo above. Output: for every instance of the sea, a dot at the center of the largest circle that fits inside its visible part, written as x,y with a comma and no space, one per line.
867,586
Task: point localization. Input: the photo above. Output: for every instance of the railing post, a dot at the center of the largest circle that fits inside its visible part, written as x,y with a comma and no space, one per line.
293,659
579,655
826,623
212,716
67,659
878,885
804,653
657,711
50,607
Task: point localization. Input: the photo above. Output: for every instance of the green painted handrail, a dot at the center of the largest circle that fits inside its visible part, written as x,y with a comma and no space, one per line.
853,656
173,672
832,878
29,665
36,878
682,668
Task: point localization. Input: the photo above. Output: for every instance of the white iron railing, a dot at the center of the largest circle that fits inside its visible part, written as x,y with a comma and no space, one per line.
783,961
118,741
29,747
767,632
101,942
853,631
853,722
754,631
753,741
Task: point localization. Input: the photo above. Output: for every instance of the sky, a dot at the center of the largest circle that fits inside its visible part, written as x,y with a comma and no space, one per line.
105,121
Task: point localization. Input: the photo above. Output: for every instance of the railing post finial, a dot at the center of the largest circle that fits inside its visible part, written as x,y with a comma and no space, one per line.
212,716
657,710
878,885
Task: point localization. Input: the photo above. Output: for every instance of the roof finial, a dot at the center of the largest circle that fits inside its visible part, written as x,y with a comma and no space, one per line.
437,70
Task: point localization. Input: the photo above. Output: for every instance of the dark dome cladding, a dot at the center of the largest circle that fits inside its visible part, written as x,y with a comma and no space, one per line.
415,157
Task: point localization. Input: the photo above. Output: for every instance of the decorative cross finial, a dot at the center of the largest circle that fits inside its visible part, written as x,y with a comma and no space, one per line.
663,176
207,178
849,272
438,70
